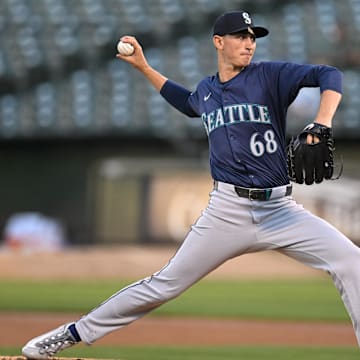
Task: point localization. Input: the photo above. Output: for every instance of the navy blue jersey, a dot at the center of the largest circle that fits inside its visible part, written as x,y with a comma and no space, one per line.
245,118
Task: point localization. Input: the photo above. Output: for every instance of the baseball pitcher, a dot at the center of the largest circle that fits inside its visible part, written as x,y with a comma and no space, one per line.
243,108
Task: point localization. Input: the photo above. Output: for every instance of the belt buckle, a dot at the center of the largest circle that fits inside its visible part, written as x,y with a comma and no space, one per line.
250,194
259,194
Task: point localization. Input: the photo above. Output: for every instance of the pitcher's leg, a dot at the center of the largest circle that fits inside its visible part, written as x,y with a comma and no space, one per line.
206,247
341,259
316,243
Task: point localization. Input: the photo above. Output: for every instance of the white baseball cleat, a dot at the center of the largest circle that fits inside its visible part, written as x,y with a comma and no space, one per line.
47,345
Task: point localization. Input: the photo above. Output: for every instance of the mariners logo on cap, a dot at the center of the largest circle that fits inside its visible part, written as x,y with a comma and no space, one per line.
247,18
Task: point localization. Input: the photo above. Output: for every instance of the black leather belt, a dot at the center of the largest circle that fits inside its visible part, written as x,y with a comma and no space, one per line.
261,194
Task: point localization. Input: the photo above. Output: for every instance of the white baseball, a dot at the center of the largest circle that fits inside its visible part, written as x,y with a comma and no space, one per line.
124,48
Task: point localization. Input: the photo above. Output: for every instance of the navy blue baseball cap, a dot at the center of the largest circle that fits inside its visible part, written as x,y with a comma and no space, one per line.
237,21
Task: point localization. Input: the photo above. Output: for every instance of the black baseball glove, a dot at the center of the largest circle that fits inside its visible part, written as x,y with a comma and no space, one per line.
315,161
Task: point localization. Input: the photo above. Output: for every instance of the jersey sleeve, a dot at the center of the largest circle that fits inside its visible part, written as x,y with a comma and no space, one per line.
180,98
292,77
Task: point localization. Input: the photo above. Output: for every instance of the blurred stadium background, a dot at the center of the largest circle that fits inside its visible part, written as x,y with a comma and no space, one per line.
85,141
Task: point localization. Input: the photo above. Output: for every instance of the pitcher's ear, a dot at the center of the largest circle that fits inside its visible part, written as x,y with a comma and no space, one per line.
218,41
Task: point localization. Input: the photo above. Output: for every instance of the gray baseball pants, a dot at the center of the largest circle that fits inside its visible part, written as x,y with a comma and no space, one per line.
228,227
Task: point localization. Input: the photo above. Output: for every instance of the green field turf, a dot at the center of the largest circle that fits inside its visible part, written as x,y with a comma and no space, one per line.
315,299
206,353
311,300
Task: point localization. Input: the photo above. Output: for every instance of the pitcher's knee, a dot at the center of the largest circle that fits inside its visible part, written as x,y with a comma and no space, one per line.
163,290
348,265
171,292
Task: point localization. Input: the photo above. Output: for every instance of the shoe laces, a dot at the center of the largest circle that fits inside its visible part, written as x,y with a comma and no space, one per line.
56,343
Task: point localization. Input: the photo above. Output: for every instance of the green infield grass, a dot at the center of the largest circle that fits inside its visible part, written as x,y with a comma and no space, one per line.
315,299
205,353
